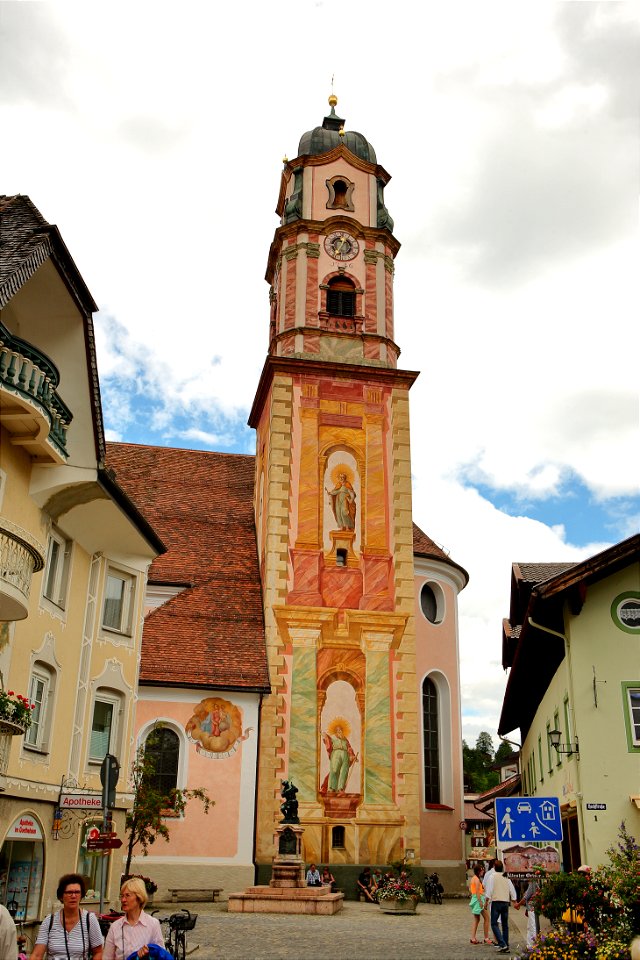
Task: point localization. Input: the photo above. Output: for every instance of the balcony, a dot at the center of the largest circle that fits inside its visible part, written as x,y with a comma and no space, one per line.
30,407
20,557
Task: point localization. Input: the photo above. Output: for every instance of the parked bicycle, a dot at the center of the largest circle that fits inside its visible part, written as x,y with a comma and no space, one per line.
174,931
433,889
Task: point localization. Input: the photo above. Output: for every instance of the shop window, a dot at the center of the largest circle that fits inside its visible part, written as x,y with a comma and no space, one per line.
22,868
431,742
41,693
89,861
104,737
119,596
56,572
162,746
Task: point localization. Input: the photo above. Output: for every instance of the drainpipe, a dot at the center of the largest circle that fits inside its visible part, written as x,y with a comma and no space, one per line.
567,643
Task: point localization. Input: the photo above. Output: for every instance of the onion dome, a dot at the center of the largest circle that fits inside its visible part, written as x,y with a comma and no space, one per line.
331,134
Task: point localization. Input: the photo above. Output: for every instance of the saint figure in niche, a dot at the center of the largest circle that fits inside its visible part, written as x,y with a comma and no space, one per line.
343,501
341,756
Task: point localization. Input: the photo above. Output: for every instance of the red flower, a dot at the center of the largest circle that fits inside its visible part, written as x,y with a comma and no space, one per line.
10,693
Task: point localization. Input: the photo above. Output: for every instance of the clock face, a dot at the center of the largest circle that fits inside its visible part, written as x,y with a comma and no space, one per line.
341,245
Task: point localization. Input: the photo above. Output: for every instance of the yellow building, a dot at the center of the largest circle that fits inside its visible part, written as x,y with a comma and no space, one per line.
572,643
74,553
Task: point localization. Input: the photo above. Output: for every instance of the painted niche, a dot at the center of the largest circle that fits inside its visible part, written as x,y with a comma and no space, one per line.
216,728
341,523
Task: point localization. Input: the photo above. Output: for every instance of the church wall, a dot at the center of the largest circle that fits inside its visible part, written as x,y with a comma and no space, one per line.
442,840
216,755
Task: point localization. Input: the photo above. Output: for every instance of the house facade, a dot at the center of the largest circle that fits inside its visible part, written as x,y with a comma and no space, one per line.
74,555
572,645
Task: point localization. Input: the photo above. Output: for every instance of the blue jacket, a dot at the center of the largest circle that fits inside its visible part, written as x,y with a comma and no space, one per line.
155,953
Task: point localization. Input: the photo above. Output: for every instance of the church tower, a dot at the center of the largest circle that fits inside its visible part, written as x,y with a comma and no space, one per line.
333,516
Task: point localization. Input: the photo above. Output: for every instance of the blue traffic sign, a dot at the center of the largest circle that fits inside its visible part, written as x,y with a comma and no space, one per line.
533,819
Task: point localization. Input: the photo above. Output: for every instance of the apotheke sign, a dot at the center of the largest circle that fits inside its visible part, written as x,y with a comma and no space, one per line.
24,828
81,801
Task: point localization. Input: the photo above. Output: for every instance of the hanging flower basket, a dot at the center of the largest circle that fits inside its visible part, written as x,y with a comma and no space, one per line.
15,713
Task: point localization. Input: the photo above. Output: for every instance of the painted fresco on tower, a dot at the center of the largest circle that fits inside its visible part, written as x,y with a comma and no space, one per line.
341,735
342,499
216,728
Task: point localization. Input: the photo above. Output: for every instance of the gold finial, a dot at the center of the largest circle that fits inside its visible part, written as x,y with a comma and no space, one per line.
333,100
285,159
341,132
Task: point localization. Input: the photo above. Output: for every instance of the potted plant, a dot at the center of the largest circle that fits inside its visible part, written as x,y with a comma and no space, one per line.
398,894
15,712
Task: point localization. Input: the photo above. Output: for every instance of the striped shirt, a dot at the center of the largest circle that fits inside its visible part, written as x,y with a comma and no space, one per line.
78,943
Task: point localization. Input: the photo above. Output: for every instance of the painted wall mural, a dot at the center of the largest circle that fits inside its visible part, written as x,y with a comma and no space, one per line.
341,526
216,728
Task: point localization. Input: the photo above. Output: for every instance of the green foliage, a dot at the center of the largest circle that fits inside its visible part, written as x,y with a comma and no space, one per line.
477,762
504,751
147,819
608,900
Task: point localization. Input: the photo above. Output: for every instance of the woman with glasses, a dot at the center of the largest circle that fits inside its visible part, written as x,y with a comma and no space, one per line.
136,930
70,933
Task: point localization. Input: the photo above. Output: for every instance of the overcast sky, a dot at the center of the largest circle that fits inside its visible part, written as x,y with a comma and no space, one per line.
153,136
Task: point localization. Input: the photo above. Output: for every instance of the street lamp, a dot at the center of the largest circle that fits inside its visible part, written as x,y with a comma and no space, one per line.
555,736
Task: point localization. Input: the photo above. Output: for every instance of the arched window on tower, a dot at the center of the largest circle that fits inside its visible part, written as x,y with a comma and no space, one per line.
341,297
431,738
162,746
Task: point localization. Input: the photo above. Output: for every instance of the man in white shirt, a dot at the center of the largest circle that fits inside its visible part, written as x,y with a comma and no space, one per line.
501,891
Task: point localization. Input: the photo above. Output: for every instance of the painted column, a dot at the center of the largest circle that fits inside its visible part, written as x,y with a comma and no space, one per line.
303,737
377,725
309,490
376,525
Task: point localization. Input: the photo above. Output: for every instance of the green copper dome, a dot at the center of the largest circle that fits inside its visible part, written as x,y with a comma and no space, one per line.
325,138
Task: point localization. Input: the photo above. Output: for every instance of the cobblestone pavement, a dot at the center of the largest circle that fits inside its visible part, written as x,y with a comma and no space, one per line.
360,932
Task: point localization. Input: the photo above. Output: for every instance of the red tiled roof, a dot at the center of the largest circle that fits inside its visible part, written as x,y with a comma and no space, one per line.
424,546
201,505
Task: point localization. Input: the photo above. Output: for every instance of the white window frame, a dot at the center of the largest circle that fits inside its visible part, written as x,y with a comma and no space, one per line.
57,580
40,674
129,581
113,699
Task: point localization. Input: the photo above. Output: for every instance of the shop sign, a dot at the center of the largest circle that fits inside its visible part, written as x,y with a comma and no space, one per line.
81,801
24,828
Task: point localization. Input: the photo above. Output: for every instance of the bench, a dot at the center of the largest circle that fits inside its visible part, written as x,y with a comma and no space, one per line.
191,894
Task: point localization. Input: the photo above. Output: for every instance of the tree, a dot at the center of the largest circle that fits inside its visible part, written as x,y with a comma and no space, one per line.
147,818
477,762
504,751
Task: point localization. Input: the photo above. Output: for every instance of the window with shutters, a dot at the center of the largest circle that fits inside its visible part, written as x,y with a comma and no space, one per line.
341,297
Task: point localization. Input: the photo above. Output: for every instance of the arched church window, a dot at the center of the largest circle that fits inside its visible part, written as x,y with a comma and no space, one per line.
341,297
162,746
431,738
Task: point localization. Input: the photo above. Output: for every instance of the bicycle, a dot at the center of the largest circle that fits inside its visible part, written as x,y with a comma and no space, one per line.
174,931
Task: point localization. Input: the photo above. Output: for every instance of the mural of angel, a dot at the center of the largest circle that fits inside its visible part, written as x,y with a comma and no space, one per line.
343,501
341,756
216,727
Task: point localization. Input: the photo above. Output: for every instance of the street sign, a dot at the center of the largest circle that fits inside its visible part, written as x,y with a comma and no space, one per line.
533,819
596,806
81,801
106,841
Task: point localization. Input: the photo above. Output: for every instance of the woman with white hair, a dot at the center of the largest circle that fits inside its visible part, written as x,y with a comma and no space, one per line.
136,930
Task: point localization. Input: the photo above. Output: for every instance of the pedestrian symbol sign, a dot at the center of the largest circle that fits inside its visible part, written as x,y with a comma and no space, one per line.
533,819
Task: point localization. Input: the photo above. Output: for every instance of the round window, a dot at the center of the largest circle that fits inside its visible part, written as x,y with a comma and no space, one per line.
625,611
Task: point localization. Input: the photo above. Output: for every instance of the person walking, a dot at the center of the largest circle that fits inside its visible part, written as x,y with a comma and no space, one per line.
71,933
8,938
529,910
137,930
501,892
478,906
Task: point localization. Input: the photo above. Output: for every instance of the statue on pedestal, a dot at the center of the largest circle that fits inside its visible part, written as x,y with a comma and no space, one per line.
289,806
